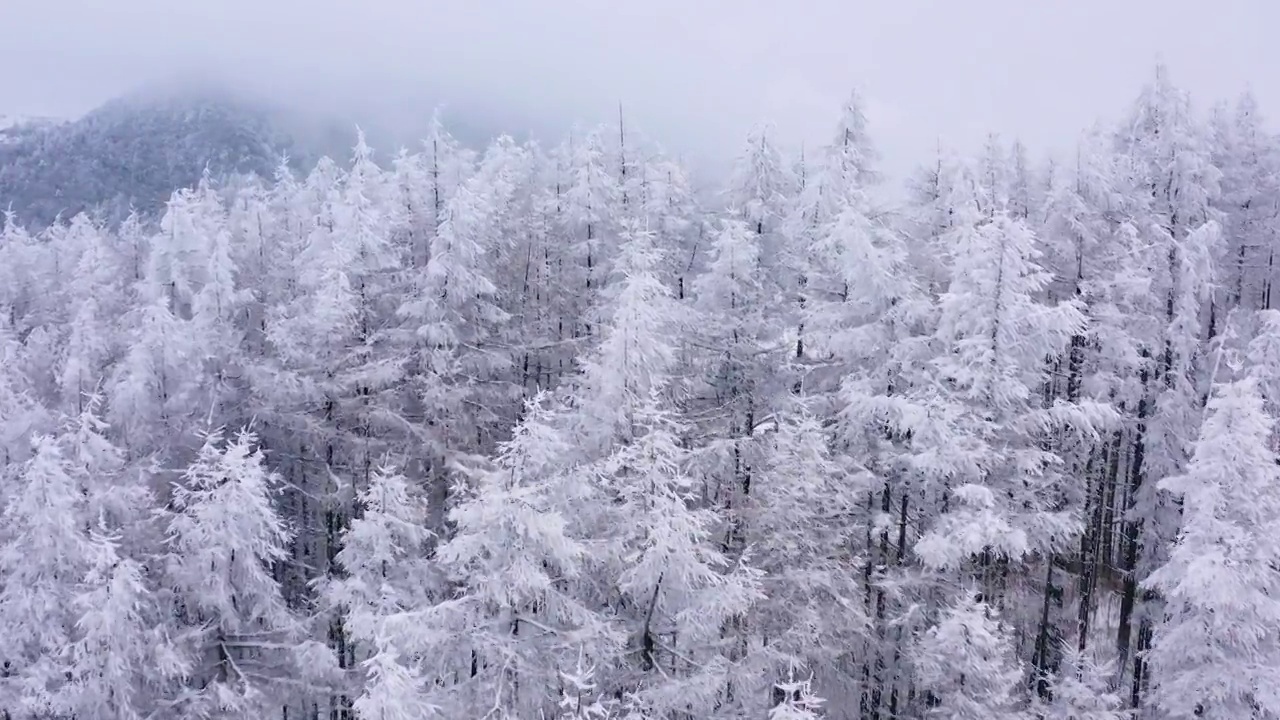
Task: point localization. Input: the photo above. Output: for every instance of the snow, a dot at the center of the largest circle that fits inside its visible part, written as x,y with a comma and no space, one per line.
539,431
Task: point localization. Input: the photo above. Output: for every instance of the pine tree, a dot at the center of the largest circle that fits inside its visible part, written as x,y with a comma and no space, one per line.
393,690
122,662
415,207
832,209
21,415
591,202
1081,690
1248,162
667,207
679,588
223,532
154,387
636,354
740,331
44,554
217,314
1213,651
515,559
21,260
1176,186
455,316
761,188
98,300
1263,356
798,524
965,665
996,333
385,576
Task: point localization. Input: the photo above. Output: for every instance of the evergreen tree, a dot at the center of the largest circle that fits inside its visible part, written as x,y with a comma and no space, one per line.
1081,690
223,532
1008,494
515,559
44,554
965,663
636,354
1215,650
678,588
122,661
385,575
761,188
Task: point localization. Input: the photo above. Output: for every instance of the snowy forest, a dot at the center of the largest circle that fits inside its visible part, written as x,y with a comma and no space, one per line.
542,433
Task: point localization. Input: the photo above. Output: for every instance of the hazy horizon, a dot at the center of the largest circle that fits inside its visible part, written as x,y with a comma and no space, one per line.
694,77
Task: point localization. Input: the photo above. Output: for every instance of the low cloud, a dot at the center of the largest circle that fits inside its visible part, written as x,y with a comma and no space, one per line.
694,75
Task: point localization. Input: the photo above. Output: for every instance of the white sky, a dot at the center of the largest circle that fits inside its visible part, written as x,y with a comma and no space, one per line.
695,74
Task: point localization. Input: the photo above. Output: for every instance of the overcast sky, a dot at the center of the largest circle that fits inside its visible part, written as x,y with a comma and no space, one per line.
695,74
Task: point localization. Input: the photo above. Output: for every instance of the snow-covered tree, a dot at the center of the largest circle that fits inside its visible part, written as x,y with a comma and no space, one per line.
965,663
799,702
833,209
1263,356
1173,186
1216,649
741,330
679,589
761,188
384,575
579,696
454,315
668,207
222,534
393,688
97,295
1246,157
799,522
591,203
1081,690
44,554
995,334
637,351
122,663
515,559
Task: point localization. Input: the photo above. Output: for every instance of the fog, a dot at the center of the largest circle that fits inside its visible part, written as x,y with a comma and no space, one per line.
694,74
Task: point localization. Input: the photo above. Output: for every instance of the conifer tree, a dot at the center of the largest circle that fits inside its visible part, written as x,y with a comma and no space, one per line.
965,665
385,576
679,589
1081,690
515,559
995,333
44,554
760,188
1216,647
223,532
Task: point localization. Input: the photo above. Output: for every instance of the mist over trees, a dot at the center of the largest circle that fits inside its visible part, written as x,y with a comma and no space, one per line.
541,432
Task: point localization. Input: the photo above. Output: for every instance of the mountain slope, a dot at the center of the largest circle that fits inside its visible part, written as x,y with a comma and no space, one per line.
133,152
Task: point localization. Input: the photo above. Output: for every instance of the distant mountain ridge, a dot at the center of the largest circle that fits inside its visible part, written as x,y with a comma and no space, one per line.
133,152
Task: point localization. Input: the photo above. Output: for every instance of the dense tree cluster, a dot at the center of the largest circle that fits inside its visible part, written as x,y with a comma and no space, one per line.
541,432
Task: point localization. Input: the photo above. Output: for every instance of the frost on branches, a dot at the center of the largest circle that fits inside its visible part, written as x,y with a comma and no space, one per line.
562,432
1217,646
